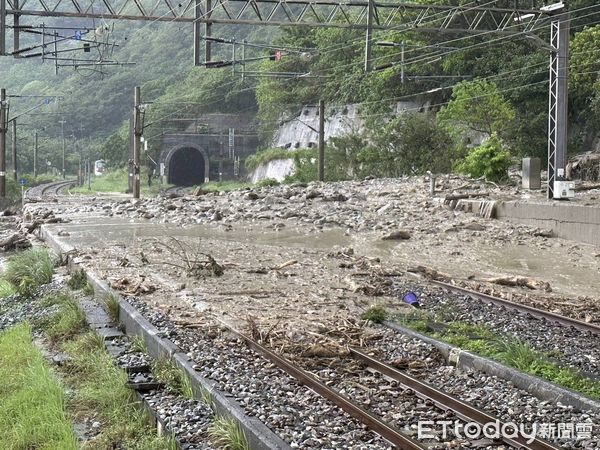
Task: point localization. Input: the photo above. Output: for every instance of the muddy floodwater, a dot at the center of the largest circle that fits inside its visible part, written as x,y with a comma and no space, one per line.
572,269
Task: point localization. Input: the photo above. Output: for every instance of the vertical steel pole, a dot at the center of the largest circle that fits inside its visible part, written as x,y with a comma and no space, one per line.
233,56
321,140
16,31
62,133
14,149
137,134
3,125
197,31
207,30
402,63
35,152
2,27
243,59
558,101
369,37
55,53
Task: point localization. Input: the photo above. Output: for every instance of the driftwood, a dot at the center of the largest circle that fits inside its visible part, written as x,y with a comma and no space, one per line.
587,187
430,273
16,241
530,283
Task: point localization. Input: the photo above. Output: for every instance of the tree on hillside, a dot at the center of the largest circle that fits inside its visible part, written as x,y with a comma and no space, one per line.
477,106
585,87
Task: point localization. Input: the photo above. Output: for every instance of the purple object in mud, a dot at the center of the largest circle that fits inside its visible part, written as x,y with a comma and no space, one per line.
411,298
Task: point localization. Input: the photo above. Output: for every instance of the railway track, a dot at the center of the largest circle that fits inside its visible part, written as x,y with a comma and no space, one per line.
546,332
52,189
280,386
176,191
525,309
432,397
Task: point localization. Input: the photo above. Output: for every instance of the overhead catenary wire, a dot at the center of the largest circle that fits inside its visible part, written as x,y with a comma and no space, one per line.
403,27
433,56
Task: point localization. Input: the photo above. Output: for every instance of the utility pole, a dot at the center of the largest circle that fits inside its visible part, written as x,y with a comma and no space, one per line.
16,24
62,133
14,148
207,30
35,153
321,140
197,31
3,126
2,29
137,135
369,38
558,104
402,62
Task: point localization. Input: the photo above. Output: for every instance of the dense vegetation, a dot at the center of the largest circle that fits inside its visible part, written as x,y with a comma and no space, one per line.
478,85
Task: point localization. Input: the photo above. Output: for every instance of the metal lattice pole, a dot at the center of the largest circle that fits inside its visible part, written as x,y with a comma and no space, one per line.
558,98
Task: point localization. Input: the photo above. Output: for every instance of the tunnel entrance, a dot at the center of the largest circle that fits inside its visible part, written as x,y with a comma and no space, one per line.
187,167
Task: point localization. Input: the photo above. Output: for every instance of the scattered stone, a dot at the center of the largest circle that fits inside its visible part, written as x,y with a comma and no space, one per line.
397,236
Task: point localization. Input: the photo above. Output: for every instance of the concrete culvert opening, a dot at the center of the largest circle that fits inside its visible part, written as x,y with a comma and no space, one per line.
187,167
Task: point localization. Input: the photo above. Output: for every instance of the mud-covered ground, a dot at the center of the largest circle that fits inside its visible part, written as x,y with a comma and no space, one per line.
309,255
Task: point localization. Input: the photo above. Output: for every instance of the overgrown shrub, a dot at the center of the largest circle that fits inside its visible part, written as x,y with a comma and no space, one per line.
489,160
264,156
376,314
266,182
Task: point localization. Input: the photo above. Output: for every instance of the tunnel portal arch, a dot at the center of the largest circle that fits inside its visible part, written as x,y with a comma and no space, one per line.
187,165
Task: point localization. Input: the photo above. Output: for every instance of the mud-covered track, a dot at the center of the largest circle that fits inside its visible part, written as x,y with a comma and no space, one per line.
52,189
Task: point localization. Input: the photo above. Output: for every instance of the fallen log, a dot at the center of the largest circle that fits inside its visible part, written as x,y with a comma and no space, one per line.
514,281
16,241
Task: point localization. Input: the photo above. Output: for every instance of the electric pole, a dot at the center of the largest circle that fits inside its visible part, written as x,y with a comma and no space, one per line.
321,140
62,132
35,153
3,126
137,135
558,104
14,148
369,38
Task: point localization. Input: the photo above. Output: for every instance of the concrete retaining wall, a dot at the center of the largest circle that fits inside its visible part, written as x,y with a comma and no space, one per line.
566,220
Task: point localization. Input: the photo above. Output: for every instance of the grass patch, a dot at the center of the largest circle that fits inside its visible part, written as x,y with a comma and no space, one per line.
174,377
29,270
6,289
77,280
225,433
88,289
138,344
375,314
32,401
112,307
118,181
68,322
507,350
101,391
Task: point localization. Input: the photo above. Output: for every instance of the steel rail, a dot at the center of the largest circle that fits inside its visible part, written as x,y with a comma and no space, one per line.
42,189
55,186
394,436
444,401
535,312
